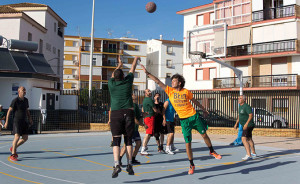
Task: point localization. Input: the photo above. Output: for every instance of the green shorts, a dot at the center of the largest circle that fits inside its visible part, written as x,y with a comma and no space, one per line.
194,122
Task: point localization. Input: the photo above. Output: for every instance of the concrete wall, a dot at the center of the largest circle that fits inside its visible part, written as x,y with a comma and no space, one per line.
9,28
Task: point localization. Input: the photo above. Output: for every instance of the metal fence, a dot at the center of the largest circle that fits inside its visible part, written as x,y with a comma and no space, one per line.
271,109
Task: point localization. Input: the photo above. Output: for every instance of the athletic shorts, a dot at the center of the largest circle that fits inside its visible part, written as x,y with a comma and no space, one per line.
136,136
170,127
194,122
159,128
122,122
248,132
149,121
20,127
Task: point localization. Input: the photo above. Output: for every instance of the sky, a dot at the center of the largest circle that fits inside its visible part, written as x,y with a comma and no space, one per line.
121,18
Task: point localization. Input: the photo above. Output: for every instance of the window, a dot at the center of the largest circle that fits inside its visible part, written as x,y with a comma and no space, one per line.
125,47
48,47
169,49
55,27
94,61
74,58
280,105
200,20
199,74
169,63
75,44
136,75
56,97
212,73
29,36
211,18
44,97
137,48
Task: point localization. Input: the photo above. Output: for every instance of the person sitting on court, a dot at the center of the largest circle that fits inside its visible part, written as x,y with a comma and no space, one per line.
122,113
181,99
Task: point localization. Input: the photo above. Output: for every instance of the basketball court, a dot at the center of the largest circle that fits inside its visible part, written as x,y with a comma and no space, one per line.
87,158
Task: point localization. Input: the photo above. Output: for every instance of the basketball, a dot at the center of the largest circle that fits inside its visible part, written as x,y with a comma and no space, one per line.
151,7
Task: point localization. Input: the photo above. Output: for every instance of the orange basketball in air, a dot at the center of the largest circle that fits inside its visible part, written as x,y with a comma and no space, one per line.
151,7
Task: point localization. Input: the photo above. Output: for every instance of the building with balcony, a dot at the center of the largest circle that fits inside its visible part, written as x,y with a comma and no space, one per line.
40,24
106,52
262,41
164,59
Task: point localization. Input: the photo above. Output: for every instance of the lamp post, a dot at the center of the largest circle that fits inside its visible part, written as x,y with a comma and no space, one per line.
91,61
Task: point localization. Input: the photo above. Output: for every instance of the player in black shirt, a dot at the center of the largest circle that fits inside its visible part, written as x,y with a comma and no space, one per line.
19,106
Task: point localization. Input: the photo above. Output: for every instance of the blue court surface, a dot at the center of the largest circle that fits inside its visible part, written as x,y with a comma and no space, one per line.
87,158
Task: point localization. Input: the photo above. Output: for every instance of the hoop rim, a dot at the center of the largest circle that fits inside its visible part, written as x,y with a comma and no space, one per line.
198,53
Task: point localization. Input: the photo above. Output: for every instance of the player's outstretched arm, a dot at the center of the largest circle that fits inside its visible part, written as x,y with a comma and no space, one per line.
155,79
198,104
134,63
120,65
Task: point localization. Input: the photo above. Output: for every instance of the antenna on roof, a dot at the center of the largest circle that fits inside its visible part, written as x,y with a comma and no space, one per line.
78,30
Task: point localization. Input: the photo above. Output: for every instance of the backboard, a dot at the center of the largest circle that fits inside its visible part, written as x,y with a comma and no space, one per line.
208,39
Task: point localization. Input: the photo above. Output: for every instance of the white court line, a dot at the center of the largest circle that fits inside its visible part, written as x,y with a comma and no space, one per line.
40,174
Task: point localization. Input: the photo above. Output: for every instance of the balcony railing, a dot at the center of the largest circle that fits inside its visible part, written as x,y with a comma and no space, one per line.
287,80
88,48
273,13
241,50
110,50
276,46
109,63
262,48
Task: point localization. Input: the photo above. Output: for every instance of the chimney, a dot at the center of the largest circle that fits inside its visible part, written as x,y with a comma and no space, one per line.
160,37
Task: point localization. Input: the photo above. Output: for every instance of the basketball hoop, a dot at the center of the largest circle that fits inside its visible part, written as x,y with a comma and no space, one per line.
196,57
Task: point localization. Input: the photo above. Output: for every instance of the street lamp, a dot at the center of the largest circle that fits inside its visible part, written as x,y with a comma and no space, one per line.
91,59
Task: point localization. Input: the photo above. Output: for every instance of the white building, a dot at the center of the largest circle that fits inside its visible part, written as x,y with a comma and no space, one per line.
262,41
164,59
37,23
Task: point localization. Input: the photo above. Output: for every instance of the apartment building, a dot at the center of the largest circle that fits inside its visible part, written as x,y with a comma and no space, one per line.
164,59
106,52
262,41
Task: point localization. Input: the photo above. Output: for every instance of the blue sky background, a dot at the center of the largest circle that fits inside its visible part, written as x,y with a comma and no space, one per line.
121,17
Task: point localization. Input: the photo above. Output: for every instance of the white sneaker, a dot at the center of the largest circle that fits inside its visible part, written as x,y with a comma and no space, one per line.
247,157
169,152
253,155
144,153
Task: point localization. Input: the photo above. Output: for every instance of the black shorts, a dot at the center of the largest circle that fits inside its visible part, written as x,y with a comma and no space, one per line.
136,136
158,127
170,127
122,122
20,127
248,132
